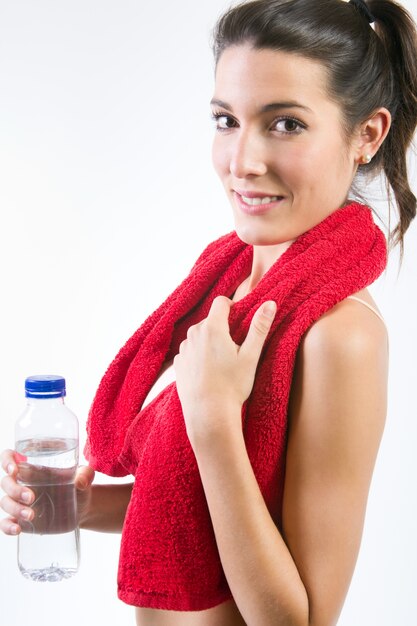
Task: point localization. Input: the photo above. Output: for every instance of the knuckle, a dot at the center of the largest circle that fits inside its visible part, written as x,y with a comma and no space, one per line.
6,457
9,506
195,329
5,481
7,525
9,486
219,302
261,327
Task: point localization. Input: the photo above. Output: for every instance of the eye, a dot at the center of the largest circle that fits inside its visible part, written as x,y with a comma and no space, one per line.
223,121
289,126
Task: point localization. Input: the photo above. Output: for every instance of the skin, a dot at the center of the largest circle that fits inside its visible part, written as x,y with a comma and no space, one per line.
302,576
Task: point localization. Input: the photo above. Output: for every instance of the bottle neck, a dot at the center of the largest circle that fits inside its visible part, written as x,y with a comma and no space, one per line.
45,401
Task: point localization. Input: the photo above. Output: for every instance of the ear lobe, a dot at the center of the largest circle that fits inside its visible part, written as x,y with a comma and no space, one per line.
372,133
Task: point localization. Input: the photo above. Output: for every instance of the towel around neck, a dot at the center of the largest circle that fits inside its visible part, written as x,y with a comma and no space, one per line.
169,558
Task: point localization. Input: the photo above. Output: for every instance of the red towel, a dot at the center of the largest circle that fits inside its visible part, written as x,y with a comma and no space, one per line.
169,557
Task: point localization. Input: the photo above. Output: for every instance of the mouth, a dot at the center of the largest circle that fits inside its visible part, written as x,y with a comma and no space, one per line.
256,203
257,200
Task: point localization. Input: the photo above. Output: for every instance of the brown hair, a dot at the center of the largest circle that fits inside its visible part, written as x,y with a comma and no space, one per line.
367,67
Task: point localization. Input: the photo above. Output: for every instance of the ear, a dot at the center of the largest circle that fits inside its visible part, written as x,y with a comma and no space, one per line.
371,134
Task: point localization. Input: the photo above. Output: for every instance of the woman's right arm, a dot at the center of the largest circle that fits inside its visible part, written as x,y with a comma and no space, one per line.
107,509
100,507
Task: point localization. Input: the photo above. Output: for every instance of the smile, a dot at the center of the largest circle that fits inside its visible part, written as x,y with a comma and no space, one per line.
257,205
257,201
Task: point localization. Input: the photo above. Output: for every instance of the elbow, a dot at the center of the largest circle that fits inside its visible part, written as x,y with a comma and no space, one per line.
298,614
297,611
300,619
288,607
301,612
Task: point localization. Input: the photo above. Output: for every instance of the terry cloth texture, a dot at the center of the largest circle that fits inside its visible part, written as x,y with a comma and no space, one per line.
169,558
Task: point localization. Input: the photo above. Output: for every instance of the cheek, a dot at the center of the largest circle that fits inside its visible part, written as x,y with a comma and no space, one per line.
291,163
313,164
329,149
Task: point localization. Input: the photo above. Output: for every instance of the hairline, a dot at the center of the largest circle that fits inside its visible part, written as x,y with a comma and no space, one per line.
251,43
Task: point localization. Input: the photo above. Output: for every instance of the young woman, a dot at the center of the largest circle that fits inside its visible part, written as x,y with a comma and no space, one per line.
307,93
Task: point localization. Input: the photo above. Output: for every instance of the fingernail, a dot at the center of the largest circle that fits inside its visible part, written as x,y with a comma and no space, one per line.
269,309
26,513
26,497
14,529
10,469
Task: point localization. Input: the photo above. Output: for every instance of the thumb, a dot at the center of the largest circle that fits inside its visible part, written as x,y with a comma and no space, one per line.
84,478
258,331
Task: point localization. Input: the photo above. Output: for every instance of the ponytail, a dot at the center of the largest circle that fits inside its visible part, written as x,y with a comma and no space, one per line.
397,32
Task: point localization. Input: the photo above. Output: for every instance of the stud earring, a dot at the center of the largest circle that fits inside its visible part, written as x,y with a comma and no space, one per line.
366,158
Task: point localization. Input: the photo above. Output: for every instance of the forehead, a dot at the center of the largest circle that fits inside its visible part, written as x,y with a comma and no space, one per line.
243,71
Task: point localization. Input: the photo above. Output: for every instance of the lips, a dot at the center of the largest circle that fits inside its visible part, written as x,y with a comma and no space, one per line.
256,202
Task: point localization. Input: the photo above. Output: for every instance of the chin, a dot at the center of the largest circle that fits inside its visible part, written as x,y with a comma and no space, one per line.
259,238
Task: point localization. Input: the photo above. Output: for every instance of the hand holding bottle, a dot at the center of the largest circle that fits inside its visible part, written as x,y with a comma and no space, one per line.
18,499
16,503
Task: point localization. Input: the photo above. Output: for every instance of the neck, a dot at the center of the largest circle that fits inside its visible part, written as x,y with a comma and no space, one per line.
263,259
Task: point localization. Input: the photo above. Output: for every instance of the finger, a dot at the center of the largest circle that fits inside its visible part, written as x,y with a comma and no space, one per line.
181,349
16,491
219,311
9,526
11,507
84,477
8,462
194,327
259,328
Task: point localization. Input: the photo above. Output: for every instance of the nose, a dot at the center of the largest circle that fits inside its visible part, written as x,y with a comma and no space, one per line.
247,156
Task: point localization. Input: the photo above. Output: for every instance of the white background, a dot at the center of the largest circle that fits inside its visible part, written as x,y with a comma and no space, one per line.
107,196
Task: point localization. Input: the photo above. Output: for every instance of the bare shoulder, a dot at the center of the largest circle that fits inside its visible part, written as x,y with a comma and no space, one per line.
336,414
348,328
340,379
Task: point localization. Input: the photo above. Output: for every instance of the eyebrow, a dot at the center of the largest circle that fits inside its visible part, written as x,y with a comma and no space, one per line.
272,106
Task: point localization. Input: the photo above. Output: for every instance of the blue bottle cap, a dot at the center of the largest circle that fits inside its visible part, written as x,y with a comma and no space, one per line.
45,386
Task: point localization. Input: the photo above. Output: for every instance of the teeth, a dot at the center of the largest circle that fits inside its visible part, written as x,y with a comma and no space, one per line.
257,201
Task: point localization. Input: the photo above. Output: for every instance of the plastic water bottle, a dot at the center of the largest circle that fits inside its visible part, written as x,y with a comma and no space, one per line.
46,445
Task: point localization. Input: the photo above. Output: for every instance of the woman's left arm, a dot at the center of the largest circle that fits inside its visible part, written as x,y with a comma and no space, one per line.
336,420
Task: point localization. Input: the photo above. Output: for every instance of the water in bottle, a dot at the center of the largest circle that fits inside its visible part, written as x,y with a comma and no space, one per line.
47,458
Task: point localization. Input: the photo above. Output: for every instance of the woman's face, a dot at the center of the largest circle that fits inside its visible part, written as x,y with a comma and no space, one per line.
279,141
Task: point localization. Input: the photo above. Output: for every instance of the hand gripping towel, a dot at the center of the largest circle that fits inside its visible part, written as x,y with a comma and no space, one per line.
168,556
